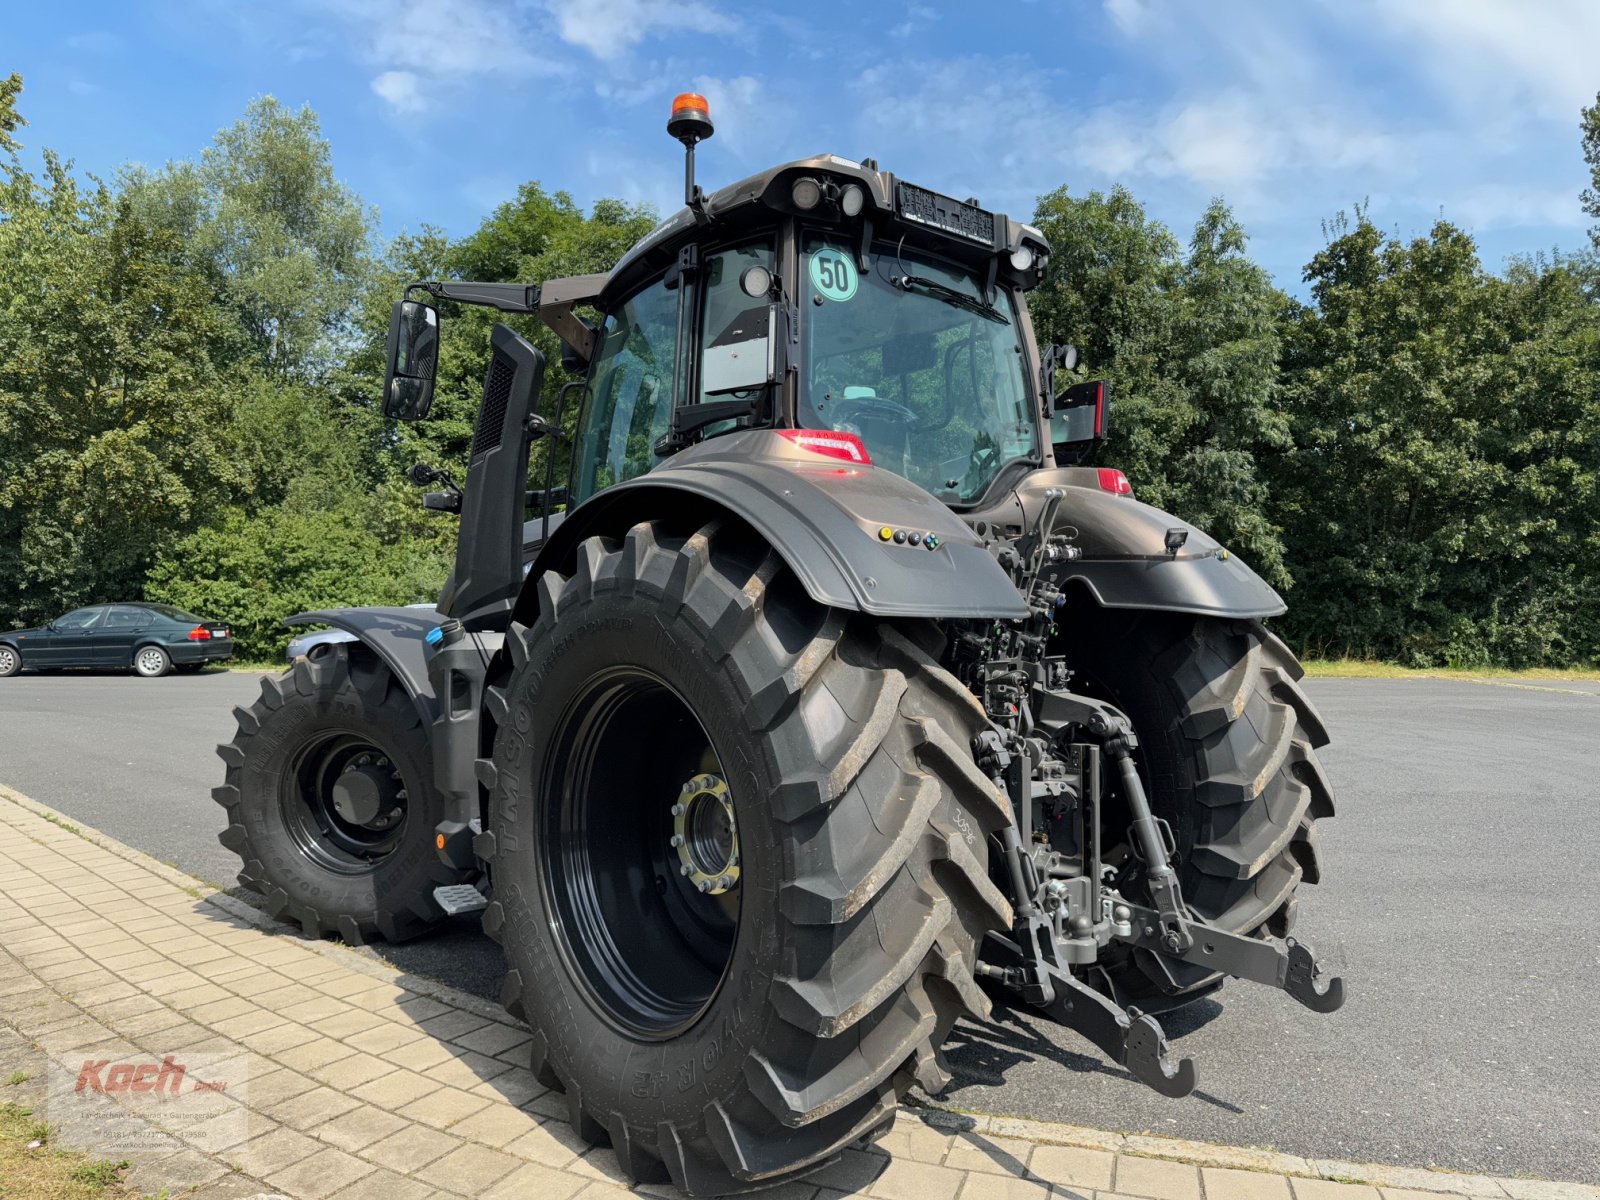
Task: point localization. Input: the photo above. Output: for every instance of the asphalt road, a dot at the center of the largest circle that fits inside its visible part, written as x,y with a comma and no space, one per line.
1462,880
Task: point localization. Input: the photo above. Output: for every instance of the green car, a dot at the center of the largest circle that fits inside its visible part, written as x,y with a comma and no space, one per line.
151,638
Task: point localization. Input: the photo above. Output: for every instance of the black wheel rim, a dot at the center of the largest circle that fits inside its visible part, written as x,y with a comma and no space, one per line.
640,853
345,803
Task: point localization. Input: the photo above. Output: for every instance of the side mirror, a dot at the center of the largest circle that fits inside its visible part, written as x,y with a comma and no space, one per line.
413,360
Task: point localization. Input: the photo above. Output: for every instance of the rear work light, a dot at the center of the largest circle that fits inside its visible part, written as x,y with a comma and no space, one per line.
846,447
1114,481
199,634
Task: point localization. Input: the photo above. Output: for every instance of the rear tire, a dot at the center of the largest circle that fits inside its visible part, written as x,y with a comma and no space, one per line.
151,662
315,773
1227,749
861,825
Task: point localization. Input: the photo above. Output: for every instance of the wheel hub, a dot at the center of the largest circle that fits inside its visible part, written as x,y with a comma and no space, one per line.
358,796
706,836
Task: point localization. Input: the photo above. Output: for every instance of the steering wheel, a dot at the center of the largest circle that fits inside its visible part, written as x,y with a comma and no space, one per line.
883,410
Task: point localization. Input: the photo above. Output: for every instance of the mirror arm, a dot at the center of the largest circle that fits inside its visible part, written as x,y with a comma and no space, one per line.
507,297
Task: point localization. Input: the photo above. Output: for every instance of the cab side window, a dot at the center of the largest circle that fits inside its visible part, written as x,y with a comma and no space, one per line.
733,321
630,392
82,618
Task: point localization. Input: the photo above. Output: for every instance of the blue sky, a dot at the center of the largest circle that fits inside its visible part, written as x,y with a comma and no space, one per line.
1290,111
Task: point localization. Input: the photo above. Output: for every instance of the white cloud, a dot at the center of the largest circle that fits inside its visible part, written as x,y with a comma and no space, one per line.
740,111
402,89
1489,52
610,28
422,48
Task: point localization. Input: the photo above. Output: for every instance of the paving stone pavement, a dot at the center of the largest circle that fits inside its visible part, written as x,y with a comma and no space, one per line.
354,1081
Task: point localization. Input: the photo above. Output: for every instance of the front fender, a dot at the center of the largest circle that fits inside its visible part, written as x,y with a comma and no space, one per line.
823,517
395,636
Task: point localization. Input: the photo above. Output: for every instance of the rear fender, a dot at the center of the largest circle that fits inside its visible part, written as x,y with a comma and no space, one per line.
1125,562
823,517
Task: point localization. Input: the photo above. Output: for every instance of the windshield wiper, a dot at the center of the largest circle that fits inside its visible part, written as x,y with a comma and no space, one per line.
951,295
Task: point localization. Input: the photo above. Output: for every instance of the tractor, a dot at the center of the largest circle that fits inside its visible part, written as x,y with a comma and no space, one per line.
832,694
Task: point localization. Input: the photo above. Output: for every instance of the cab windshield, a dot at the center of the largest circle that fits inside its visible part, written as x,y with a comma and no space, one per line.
909,356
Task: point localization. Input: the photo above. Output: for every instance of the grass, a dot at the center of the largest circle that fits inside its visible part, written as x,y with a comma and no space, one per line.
44,1172
18,1077
1360,668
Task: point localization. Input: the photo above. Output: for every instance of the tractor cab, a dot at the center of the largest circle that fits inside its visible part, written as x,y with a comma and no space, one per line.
824,295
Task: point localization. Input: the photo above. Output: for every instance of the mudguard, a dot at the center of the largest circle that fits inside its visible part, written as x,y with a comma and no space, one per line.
1125,562
397,636
824,517
394,635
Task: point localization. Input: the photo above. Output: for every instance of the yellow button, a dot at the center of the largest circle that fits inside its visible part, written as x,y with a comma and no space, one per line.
886,533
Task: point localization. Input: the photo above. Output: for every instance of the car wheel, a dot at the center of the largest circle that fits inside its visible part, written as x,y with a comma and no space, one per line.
10,661
151,661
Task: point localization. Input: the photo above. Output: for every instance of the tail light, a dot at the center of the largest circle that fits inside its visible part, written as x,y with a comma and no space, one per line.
1114,481
199,634
829,443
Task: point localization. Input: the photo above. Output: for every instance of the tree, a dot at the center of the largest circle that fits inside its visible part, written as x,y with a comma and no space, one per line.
1388,500
113,420
1589,128
1189,343
10,120
283,242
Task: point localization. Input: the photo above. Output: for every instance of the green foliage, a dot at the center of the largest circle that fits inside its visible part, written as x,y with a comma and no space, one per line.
1441,494
1589,128
114,421
10,120
260,568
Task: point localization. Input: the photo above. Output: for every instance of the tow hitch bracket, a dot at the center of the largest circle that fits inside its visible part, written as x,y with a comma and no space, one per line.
1291,967
1126,1036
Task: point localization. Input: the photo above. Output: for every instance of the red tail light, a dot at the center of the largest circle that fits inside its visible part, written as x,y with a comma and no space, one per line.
199,634
829,443
1114,481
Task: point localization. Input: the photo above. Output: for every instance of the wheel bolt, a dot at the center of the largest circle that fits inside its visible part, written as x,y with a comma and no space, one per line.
678,810
688,788
677,839
705,885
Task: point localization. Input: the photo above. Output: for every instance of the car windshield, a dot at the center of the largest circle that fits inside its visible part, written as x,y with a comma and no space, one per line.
177,614
909,356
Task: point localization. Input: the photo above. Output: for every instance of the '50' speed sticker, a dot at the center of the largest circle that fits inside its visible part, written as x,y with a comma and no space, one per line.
833,274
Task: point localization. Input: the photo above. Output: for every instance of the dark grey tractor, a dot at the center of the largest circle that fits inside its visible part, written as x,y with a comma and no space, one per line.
826,696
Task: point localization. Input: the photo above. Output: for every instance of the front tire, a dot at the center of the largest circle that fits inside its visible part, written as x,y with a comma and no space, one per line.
10,661
330,801
734,1054
151,662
